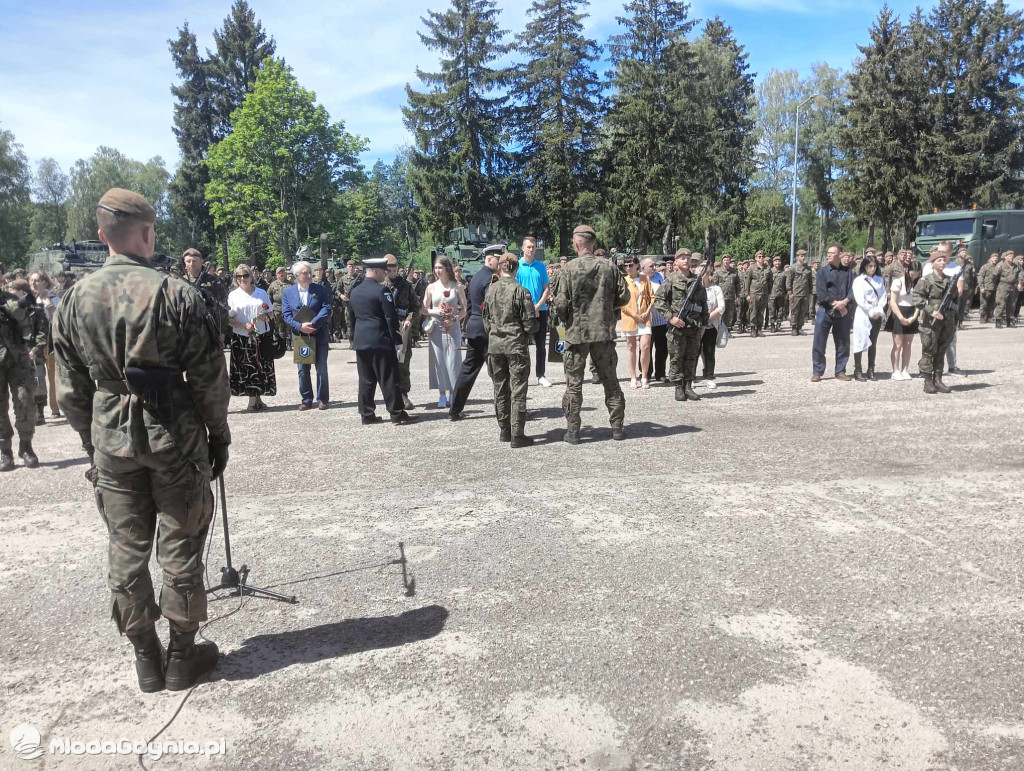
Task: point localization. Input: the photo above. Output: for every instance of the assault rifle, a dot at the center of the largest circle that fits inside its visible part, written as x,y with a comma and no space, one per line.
688,305
950,295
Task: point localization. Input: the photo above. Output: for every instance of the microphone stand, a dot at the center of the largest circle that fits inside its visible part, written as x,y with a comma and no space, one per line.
237,580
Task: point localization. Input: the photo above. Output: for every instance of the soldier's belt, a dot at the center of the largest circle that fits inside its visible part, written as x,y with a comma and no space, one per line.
142,380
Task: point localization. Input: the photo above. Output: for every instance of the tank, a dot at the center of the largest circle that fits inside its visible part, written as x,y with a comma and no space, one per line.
80,258
466,246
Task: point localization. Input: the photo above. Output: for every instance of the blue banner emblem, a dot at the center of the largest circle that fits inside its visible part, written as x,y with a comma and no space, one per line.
560,347
304,351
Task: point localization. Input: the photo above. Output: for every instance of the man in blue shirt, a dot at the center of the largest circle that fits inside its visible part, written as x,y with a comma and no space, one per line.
834,314
533,276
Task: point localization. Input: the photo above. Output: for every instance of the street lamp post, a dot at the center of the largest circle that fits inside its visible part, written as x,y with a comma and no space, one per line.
796,150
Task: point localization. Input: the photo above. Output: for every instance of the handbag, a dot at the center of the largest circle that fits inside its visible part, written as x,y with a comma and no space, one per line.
723,336
277,344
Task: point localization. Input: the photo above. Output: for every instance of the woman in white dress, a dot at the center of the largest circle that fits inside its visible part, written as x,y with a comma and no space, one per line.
252,370
869,294
444,306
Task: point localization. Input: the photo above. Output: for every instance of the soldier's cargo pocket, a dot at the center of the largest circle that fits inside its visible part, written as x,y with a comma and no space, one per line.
184,497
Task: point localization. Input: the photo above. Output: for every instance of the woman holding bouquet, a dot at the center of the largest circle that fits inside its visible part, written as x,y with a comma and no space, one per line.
444,306
252,363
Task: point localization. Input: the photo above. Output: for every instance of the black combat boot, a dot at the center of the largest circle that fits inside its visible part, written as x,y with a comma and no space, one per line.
27,454
680,393
149,660
794,332
999,323
689,392
941,387
186,661
40,417
6,459
521,440
929,385
571,437
618,434
407,402
505,435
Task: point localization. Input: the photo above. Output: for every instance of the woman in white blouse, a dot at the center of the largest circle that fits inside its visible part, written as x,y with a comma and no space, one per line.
709,340
903,320
869,294
252,371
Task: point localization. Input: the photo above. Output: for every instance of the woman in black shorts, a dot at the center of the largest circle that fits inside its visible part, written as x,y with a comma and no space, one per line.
903,321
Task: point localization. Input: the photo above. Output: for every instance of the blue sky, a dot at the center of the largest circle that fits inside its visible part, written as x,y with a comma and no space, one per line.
76,75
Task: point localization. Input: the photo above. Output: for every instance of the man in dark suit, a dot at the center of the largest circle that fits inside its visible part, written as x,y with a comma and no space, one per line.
476,336
376,340
313,302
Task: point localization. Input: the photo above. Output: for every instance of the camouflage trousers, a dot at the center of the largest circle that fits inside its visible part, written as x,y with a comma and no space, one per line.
683,352
742,311
510,373
163,497
777,308
935,339
987,305
798,311
17,384
758,305
605,362
729,314
1006,303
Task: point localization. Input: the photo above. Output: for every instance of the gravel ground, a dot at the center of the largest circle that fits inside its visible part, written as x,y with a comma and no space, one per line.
786,575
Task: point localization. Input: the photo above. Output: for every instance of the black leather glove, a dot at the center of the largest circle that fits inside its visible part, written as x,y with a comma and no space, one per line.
218,458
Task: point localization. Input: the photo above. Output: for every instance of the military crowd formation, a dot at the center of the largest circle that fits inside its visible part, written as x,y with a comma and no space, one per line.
150,402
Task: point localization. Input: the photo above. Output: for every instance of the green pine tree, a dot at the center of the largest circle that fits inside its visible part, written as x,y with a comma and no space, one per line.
457,122
646,127
560,97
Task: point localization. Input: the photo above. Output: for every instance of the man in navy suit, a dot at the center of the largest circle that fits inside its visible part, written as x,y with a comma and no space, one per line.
304,293
375,339
476,336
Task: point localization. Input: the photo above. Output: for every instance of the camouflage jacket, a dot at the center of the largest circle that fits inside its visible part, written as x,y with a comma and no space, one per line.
779,282
759,281
729,281
970,275
1006,276
274,292
345,285
799,280
509,318
928,295
214,294
590,291
670,298
891,272
160,321
987,278
406,302
19,330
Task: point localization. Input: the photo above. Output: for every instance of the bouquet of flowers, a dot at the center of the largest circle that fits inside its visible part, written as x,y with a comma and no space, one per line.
447,313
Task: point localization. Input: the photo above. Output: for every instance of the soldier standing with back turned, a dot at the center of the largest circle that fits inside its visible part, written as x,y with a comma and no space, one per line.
589,293
151,407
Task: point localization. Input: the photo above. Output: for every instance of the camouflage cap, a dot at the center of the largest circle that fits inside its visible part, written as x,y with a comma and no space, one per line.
800,251
117,200
684,252
192,252
584,230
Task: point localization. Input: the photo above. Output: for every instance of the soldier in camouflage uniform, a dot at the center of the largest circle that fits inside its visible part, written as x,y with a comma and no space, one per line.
777,295
1007,281
345,286
742,304
937,329
408,307
799,281
728,280
213,291
274,292
758,286
590,291
987,286
969,275
686,327
20,347
150,405
510,322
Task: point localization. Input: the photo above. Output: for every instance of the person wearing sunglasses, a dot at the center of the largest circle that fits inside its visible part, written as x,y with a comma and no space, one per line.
250,311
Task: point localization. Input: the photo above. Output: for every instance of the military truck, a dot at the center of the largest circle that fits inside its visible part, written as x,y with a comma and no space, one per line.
982,231
80,258
465,247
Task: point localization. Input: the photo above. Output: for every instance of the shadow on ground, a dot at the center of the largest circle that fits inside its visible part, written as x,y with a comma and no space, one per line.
267,653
